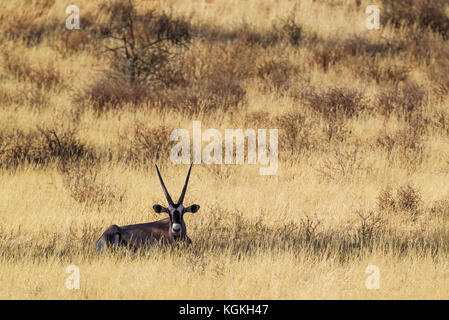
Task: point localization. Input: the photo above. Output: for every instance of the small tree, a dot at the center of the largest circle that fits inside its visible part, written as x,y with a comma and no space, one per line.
141,44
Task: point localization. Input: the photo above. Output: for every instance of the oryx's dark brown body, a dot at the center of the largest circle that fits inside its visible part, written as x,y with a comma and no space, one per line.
141,235
168,230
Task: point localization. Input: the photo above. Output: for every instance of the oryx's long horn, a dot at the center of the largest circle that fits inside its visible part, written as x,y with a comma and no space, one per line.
167,195
183,193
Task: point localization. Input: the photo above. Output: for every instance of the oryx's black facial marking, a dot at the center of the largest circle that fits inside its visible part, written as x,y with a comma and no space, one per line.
176,218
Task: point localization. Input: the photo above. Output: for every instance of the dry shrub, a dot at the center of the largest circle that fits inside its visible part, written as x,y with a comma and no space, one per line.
65,244
371,226
440,208
141,48
291,31
111,94
74,41
148,25
147,145
84,186
258,119
33,25
192,84
236,60
233,60
386,200
41,147
276,74
207,95
357,45
441,122
424,13
309,227
296,135
343,163
405,102
281,31
327,53
406,199
140,45
406,144
33,97
336,103
69,42
233,230
438,72
420,46
212,33
29,27
390,73
44,75
6,97
244,236
199,84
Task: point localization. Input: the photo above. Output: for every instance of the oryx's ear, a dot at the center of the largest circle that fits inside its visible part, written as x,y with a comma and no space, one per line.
193,208
158,208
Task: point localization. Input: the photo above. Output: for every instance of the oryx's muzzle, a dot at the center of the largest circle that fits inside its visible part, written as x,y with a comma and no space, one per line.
176,228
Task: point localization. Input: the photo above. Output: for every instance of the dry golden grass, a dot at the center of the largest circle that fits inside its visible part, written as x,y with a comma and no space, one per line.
363,140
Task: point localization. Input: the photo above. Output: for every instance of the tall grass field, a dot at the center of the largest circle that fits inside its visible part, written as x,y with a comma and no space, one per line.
358,207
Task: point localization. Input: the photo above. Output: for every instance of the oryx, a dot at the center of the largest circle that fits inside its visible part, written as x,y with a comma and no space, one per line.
170,229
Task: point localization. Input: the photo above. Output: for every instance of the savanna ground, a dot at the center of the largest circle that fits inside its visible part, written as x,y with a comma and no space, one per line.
363,172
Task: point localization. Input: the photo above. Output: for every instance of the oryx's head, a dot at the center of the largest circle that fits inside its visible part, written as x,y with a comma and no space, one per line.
175,210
